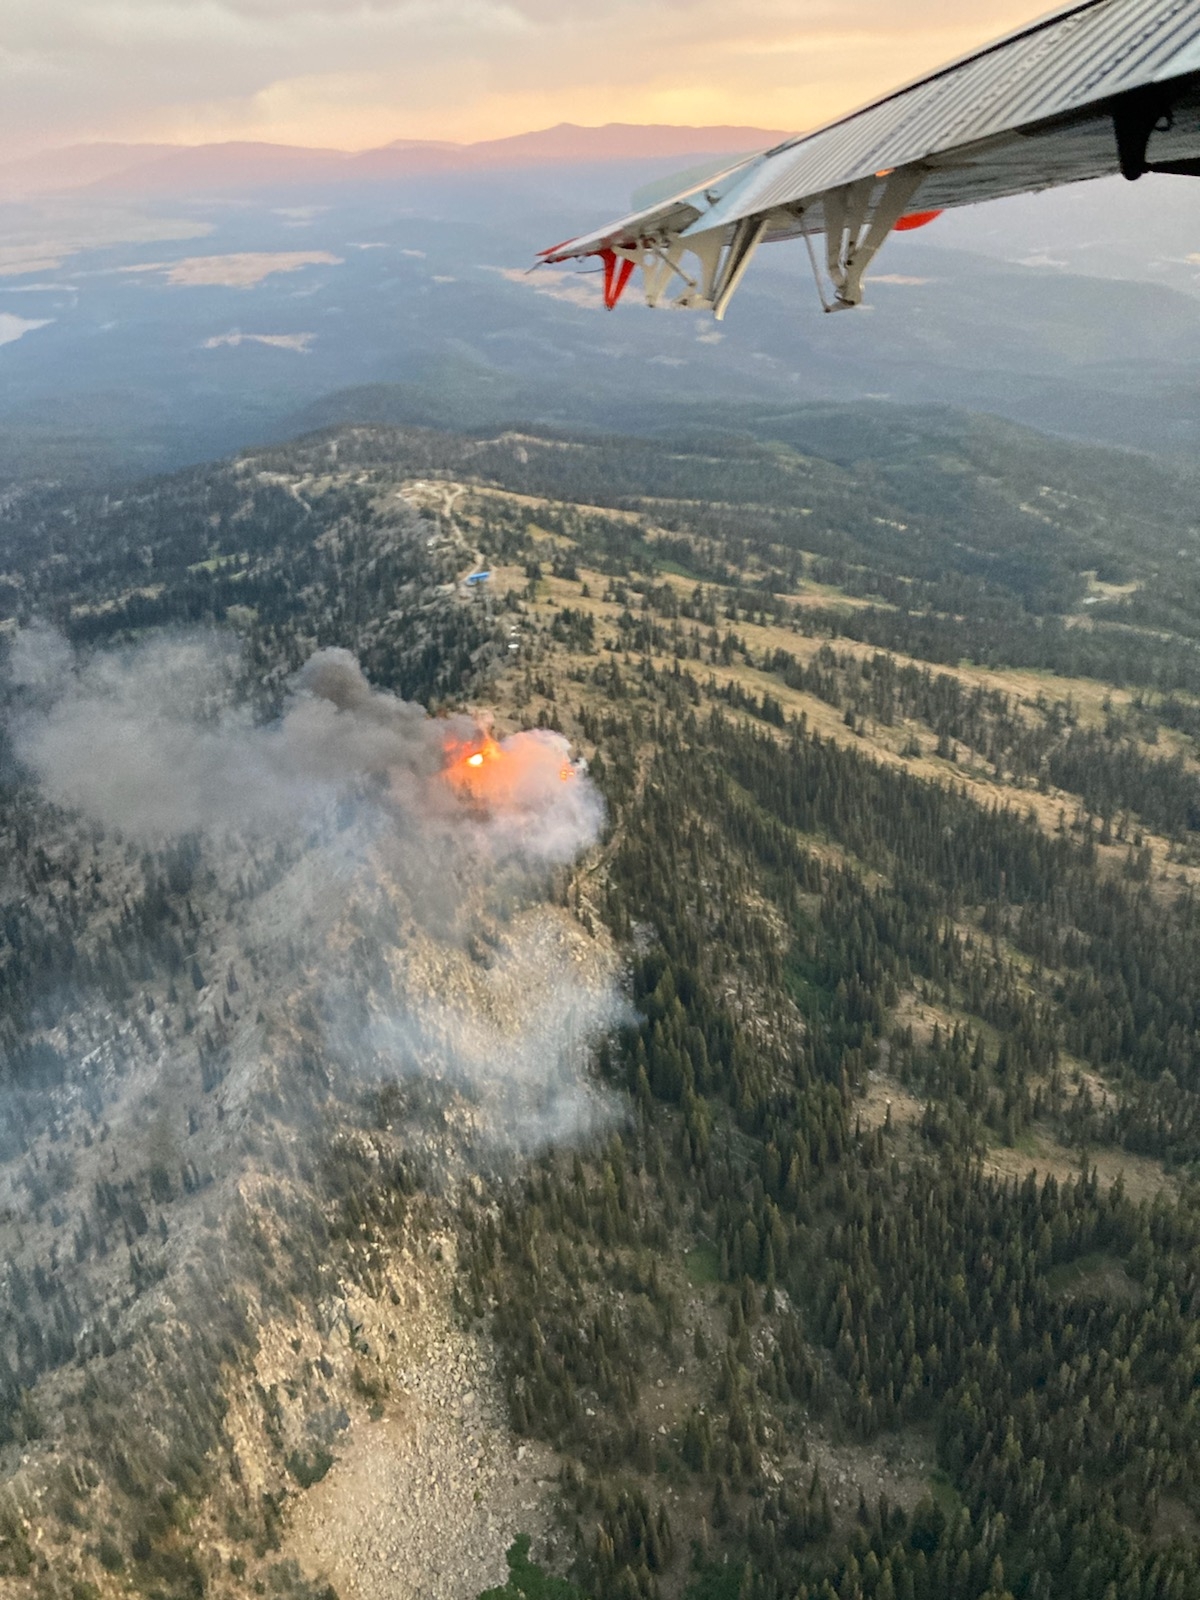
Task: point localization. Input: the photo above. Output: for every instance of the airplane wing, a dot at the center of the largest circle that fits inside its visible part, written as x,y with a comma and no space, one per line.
1095,88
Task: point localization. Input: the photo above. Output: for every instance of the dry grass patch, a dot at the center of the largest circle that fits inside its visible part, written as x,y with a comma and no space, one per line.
887,1100
1039,1153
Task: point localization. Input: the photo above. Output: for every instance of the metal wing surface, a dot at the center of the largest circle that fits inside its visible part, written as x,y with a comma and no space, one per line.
1097,88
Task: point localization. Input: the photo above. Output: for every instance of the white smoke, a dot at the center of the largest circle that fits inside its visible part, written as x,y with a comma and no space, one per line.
516,1036
150,742
40,660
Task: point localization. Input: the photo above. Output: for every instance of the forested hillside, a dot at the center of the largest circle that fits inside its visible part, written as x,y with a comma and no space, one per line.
872,1270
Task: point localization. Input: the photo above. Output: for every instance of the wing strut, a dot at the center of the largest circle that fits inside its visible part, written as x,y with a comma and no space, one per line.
746,239
855,228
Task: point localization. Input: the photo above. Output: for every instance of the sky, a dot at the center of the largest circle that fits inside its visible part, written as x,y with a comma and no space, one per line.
357,73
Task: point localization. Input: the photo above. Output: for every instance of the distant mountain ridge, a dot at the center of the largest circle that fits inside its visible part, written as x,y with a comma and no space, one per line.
145,169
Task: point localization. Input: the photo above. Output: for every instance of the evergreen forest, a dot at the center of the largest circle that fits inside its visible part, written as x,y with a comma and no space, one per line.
879,1276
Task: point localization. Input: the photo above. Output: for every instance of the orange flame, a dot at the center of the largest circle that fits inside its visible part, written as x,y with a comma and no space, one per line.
467,762
503,777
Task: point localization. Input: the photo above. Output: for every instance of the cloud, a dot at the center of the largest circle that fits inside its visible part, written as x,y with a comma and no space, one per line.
299,343
13,327
360,73
239,270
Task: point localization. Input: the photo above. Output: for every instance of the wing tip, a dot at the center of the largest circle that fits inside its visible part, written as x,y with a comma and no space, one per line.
556,252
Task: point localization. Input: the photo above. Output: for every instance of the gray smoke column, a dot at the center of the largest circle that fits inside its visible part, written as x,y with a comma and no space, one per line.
515,1035
391,818
148,742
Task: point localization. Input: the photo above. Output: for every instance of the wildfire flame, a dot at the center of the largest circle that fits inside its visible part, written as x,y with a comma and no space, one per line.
486,770
468,761
523,794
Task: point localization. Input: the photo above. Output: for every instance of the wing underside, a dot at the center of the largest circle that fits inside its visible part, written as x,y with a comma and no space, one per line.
1102,87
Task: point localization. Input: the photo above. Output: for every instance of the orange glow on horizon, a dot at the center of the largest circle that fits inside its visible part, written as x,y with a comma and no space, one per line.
764,71
356,78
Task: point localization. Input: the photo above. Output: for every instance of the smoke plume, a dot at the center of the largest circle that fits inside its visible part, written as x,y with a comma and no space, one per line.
376,801
514,1037
147,742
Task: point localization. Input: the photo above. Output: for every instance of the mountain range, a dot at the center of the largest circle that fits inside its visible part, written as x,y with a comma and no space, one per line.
165,305
154,169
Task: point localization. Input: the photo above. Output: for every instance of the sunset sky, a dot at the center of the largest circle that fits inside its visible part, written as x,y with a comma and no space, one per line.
354,73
